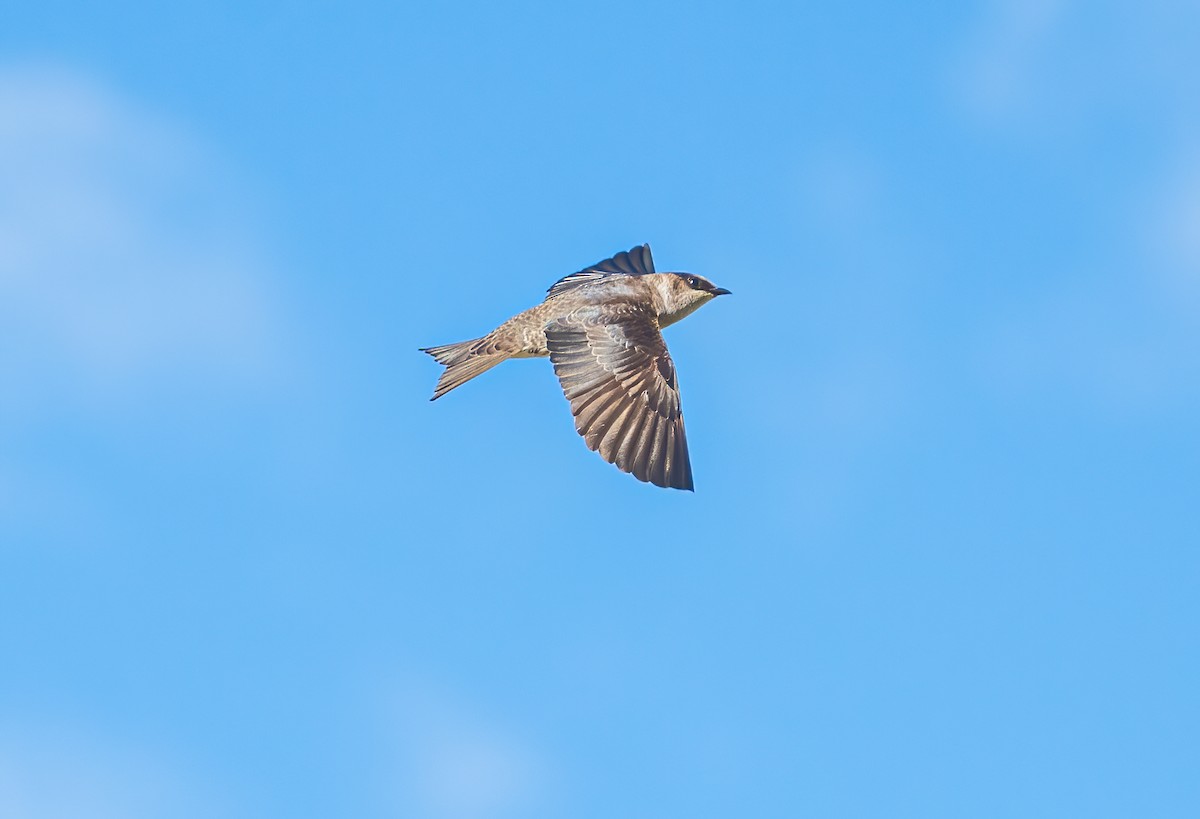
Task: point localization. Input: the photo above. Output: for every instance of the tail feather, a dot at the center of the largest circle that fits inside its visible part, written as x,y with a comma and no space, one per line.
451,353
463,360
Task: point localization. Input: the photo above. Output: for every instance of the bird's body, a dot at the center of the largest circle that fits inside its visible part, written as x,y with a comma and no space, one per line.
600,328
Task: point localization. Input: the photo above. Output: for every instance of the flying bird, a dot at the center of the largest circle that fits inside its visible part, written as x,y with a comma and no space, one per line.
601,328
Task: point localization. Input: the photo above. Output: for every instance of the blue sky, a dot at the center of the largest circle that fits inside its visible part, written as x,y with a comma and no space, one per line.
943,553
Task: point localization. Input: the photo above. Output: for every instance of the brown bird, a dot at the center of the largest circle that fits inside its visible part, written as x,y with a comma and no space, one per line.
601,328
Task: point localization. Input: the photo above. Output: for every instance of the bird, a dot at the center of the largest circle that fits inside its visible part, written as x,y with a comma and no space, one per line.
601,328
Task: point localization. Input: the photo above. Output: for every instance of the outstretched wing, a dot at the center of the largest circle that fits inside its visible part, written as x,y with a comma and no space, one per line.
634,262
615,370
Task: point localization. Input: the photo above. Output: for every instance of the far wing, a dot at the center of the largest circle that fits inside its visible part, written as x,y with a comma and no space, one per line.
634,262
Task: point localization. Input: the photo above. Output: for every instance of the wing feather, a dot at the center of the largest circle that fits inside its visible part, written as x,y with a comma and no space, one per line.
634,262
615,370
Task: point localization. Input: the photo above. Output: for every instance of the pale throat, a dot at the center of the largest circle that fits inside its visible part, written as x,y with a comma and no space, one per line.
667,318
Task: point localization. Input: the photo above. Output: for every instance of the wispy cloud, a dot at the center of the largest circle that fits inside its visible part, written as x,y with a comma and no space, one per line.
1110,90
1172,229
125,263
1058,67
454,762
133,281
48,773
995,76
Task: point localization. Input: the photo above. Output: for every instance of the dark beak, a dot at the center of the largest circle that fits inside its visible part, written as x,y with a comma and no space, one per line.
719,291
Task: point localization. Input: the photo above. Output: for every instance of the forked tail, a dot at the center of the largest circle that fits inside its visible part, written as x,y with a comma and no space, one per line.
463,361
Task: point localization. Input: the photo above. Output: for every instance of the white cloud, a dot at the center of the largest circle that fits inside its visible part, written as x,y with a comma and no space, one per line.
132,282
46,773
1053,68
996,75
454,763
125,263
1172,230
1110,329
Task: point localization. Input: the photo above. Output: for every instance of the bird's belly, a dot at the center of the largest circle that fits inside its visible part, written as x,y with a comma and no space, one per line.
533,340
524,334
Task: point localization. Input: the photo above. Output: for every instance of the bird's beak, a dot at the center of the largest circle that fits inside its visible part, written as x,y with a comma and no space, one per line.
719,291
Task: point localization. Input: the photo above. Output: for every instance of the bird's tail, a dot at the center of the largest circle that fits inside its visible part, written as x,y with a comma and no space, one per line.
463,361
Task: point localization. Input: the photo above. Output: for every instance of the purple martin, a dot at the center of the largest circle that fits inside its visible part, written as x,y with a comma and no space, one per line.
601,328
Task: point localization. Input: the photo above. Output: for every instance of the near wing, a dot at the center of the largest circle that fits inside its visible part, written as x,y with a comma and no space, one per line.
614,367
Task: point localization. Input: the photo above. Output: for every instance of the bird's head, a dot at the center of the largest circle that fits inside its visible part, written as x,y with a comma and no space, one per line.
682,294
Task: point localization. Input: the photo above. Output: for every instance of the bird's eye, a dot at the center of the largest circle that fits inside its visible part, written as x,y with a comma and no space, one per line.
692,281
